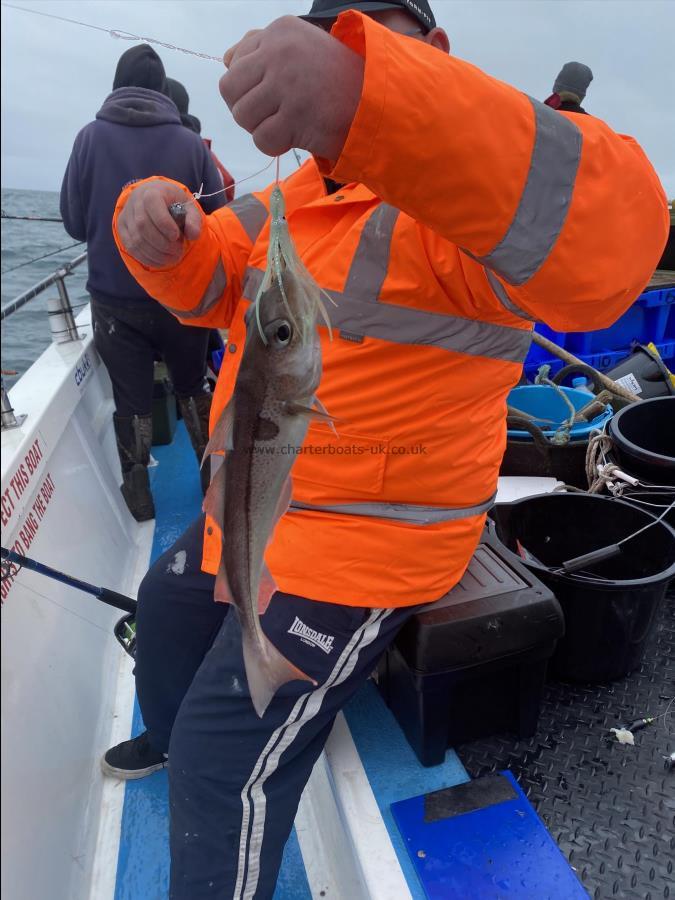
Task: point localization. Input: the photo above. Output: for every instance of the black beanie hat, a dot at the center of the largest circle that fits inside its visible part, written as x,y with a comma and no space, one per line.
140,67
179,95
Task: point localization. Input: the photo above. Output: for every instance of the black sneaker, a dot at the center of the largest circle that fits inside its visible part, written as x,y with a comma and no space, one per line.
132,759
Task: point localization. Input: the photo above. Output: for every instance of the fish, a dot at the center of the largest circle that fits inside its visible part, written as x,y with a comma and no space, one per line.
261,429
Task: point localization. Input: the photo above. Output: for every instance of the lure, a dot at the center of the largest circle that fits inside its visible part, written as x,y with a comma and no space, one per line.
281,256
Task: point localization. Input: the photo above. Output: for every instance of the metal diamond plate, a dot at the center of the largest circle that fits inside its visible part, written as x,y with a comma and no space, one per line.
609,806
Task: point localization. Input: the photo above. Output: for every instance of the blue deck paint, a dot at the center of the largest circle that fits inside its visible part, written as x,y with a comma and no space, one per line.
501,850
143,861
393,770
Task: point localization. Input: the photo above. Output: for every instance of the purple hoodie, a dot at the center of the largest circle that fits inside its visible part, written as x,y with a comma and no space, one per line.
137,133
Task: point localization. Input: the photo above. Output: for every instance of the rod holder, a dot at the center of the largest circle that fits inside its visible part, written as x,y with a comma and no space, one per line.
9,419
61,320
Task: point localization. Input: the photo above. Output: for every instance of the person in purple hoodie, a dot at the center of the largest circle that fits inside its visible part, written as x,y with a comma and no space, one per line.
138,133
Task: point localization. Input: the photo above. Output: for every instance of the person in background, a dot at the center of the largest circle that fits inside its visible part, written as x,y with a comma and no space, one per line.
138,133
570,87
181,98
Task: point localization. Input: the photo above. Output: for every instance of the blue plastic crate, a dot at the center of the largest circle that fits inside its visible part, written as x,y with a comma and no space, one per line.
602,361
650,318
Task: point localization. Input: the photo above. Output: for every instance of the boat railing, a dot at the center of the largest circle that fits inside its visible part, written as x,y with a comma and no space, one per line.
61,322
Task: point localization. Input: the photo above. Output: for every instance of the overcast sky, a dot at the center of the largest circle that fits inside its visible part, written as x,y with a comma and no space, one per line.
56,75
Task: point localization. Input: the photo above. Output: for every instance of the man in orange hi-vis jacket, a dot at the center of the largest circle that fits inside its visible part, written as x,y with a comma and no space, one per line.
444,211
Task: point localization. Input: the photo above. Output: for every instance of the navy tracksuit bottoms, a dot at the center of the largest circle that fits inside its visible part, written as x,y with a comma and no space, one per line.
235,780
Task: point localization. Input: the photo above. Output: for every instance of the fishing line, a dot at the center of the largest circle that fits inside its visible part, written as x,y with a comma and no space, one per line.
117,33
30,218
128,36
70,612
44,256
198,194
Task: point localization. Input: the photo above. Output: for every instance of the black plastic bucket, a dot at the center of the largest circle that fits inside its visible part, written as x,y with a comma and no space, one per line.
644,439
541,457
609,609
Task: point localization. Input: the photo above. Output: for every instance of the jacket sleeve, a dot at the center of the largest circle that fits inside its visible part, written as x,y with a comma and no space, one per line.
205,287
72,212
567,217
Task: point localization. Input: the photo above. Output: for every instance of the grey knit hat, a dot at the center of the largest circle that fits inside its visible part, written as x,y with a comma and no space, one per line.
573,78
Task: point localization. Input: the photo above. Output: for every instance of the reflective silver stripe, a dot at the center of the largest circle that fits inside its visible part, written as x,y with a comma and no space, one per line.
252,214
305,709
504,298
545,200
371,261
406,325
401,512
211,296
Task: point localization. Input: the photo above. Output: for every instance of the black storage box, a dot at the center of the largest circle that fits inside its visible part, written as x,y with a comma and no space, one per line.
473,663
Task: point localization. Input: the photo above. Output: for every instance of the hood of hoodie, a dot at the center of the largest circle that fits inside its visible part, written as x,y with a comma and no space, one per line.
140,66
138,108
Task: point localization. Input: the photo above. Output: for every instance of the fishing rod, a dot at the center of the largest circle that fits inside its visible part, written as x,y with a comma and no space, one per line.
29,262
30,218
125,629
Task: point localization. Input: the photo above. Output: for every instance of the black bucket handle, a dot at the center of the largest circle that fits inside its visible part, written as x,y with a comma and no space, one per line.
541,442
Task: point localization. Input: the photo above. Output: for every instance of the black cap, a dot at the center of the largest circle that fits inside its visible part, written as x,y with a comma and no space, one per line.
330,9
140,67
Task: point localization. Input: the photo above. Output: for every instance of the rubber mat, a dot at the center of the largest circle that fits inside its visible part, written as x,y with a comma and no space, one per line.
610,807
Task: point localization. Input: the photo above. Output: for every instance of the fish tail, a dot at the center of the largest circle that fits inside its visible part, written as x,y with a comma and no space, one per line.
267,671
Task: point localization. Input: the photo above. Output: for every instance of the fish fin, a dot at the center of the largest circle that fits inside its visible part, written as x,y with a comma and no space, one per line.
266,590
266,671
222,592
298,409
214,499
221,437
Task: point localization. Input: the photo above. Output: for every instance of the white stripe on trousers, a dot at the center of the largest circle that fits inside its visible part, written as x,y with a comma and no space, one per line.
306,707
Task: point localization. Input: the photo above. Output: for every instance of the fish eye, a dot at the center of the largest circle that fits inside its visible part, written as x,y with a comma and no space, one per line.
279,333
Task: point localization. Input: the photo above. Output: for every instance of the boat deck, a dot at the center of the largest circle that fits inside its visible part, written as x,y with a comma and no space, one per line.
143,861
609,806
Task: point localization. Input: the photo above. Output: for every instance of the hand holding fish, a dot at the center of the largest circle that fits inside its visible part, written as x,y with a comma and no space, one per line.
293,85
146,229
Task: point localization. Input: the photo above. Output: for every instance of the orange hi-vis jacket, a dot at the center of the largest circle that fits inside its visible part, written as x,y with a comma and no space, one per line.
467,211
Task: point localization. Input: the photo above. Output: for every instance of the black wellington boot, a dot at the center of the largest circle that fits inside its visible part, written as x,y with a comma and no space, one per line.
195,411
134,439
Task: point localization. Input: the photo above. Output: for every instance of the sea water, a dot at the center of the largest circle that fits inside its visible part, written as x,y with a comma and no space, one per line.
25,334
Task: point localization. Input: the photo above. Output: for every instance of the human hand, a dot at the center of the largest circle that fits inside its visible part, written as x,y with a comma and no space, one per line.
293,85
147,230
